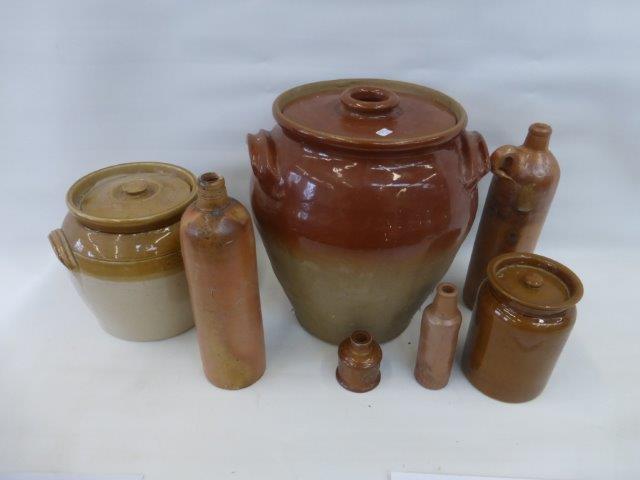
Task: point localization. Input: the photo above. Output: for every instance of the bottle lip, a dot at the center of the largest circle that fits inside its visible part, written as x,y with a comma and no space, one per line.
447,289
210,181
212,191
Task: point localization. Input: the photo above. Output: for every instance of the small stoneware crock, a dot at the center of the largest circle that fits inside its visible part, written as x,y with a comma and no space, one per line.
121,243
363,193
524,312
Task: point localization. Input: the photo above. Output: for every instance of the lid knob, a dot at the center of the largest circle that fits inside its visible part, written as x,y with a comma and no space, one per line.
369,99
533,280
135,187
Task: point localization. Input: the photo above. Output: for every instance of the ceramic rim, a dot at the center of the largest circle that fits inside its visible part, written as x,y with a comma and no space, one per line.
357,143
570,279
129,225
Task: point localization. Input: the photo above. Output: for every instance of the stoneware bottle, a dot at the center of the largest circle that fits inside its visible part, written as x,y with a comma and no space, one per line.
359,357
219,254
524,182
525,310
438,338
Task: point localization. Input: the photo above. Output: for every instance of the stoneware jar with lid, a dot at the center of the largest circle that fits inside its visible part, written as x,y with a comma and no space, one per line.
121,243
363,193
524,312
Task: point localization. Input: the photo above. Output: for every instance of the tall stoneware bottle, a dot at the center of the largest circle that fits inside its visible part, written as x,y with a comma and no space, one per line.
218,249
438,338
524,182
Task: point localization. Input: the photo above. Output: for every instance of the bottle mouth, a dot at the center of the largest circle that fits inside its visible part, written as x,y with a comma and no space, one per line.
447,290
212,191
210,180
361,338
540,129
538,136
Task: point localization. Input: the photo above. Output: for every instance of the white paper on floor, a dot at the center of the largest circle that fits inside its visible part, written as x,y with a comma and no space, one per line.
435,476
66,476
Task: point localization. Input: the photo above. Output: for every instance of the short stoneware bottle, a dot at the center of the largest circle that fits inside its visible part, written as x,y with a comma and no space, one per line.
359,357
438,338
524,183
219,254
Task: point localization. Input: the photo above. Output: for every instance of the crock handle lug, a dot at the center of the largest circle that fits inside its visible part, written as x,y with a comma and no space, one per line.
264,163
62,249
477,158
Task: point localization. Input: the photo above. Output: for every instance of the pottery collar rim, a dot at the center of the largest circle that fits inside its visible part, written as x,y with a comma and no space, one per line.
138,223
360,143
567,276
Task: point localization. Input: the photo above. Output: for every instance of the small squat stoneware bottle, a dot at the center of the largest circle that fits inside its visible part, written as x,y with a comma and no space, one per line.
219,254
359,357
524,182
524,313
438,338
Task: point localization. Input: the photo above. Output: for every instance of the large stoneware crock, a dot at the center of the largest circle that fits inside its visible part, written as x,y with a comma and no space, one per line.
363,193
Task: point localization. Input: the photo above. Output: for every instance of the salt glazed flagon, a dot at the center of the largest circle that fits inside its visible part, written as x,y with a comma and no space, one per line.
363,193
120,242
439,329
219,253
524,183
524,313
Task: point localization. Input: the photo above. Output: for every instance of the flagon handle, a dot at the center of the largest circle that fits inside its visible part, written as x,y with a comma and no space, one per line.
264,163
62,249
503,160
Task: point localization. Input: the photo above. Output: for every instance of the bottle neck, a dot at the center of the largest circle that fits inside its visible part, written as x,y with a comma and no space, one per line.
538,137
445,303
212,192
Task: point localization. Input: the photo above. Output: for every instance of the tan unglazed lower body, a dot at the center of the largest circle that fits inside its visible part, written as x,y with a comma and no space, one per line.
140,309
335,290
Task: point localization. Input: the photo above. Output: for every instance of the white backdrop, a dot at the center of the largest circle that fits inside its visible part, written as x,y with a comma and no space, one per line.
85,84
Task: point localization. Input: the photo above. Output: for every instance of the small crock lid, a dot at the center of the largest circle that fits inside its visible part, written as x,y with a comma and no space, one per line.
370,114
534,282
132,197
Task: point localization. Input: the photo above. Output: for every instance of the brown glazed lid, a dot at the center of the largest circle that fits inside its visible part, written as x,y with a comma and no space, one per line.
534,282
132,197
369,114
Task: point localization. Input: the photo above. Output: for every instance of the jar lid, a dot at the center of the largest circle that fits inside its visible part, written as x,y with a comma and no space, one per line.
370,114
132,197
534,281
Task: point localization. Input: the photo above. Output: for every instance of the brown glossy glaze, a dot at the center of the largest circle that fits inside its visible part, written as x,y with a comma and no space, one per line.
439,329
363,194
220,261
524,182
359,357
523,315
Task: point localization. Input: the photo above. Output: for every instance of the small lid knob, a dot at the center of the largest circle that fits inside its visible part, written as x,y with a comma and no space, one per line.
135,186
533,280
